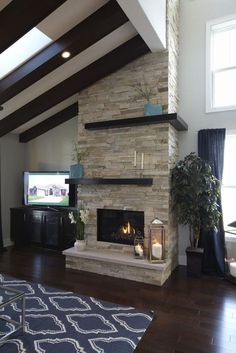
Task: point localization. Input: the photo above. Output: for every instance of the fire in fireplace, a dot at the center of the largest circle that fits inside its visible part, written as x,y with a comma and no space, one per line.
119,226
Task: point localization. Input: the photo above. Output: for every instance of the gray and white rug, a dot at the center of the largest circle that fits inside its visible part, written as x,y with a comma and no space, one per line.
66,322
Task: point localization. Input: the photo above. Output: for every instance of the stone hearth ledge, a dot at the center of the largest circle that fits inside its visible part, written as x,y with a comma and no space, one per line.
117,264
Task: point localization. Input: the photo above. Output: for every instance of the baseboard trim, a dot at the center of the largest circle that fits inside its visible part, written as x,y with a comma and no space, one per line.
7,243
182,260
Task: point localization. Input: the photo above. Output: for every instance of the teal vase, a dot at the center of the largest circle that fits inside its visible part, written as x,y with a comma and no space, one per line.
76,171
152,109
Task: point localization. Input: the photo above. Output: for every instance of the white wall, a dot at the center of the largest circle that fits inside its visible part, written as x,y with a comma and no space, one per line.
12,166
193,17
53,150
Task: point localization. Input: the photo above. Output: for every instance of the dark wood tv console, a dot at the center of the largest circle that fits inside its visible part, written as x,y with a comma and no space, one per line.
42,226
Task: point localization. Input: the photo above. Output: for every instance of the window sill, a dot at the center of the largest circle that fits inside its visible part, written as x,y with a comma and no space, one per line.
231,238
220,109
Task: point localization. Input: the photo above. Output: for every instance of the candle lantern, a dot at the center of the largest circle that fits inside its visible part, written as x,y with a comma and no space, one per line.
230,267
230,260
139,247
156,241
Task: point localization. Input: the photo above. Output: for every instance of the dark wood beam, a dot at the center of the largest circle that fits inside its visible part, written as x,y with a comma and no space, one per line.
104,66
17,18
102,22
48,124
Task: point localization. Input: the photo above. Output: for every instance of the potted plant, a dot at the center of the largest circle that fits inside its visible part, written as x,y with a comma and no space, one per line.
145,91
77,170
80,219
195,192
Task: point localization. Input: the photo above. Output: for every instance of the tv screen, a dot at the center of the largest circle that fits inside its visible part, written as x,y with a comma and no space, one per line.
46,189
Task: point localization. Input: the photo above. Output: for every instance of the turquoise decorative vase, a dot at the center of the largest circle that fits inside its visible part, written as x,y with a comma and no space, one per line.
152,109
76,171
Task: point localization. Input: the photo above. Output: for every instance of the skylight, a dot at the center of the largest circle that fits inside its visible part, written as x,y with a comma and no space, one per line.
22,50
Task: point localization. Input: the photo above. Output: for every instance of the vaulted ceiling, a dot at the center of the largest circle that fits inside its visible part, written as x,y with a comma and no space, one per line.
43,91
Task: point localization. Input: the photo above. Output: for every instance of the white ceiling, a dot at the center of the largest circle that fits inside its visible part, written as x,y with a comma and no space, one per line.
4,3
80,61
149,19
55,25
68,15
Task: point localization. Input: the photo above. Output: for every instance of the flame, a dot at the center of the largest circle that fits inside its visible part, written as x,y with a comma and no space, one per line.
127,229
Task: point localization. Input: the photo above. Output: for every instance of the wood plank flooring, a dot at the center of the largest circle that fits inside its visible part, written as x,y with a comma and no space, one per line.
191,315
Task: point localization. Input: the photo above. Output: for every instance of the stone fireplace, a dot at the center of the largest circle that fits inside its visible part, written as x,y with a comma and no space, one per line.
111,155
148,151
119,226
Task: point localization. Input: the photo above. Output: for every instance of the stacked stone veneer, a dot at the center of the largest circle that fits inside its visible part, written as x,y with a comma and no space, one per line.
111,155
111,151
173,54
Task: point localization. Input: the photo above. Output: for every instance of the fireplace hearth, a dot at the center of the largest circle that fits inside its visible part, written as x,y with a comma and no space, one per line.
119,226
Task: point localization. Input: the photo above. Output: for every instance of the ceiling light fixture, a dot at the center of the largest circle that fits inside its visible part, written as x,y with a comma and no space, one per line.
66,54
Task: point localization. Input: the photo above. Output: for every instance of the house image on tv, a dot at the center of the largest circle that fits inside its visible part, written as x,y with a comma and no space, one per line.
48,190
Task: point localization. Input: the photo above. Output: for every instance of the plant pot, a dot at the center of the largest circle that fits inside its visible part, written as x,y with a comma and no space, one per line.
152,109
80,245
76,171
194,261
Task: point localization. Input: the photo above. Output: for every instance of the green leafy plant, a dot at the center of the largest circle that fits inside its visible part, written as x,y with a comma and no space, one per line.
195,192
78,154
144,91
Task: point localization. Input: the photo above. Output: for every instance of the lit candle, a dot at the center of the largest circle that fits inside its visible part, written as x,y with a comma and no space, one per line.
142,160
157,250
138,250
232,268
135,159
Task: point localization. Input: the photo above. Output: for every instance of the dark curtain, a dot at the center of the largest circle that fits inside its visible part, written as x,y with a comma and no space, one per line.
1,241
211,148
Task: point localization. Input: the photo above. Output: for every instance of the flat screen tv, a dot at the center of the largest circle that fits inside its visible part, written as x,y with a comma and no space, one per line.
47,189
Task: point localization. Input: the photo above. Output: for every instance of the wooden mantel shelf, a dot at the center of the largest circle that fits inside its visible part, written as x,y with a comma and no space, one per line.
110,181
176,121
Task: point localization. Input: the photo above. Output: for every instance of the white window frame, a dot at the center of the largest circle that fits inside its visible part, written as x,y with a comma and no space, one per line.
209,74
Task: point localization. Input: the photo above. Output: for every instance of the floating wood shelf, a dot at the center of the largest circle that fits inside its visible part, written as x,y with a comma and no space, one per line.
111,181
176,121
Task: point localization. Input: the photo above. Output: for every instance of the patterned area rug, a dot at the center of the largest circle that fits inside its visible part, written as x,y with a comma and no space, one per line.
65,322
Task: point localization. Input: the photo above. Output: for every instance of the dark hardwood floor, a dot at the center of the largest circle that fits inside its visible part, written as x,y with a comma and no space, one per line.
191,315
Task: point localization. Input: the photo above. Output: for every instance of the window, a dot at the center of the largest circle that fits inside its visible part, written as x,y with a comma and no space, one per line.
221,64
228,190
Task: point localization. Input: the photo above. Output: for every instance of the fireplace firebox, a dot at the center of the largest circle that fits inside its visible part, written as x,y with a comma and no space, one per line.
119,226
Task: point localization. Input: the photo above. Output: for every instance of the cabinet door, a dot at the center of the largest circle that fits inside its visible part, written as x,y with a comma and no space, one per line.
52,229
18,226
68,233
35,227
